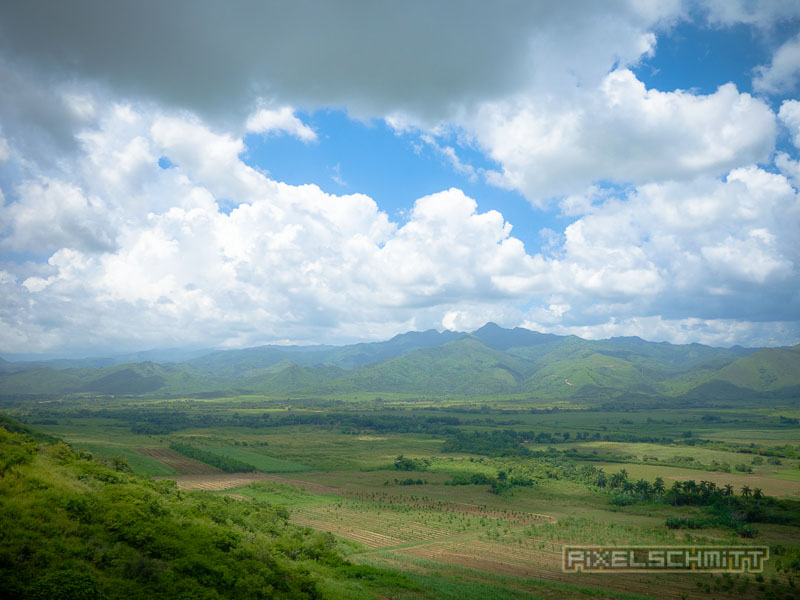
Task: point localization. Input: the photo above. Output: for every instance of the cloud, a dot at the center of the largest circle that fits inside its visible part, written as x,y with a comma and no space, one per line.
703,249
788,167
51,214
764,15
336,177
287,262
292,262
451,156
281,120
672,229
789,115
783,73
714,332
620,132
417,57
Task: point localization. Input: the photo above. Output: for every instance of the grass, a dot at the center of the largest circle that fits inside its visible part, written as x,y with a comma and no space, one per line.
262,462
453,581
788,475
141,464
665,453
330,451
276,493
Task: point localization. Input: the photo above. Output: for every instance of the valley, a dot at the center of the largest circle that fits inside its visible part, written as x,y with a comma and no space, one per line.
473,495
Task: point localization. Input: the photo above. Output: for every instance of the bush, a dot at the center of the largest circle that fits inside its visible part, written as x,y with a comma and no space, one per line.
67,585
687,523
622,500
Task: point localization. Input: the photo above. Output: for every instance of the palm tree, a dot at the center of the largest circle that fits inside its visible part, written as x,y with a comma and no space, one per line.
642,487
674,494
746,491
658,487
757,494
617,479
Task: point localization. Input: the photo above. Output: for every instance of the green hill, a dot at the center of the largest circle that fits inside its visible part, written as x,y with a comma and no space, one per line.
765,370
293,377
490,360
465,366
74,528
574,376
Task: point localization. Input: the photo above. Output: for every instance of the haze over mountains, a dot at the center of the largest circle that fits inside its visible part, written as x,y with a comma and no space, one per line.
489,360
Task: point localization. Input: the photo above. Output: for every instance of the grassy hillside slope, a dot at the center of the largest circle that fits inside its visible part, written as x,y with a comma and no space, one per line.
767,369
72,528
466,366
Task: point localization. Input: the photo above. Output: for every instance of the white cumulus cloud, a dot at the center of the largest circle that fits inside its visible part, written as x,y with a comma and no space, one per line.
783,73
280,120
621,132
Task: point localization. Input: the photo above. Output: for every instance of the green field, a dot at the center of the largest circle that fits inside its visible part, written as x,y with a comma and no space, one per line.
483,515
265,463
141,464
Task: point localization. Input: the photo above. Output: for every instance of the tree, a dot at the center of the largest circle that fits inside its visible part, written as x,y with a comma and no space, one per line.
17,450
658,487
617,479
642,488
746,491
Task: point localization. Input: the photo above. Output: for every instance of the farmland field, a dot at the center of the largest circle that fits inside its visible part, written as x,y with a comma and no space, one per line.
449,493
262,462
180,464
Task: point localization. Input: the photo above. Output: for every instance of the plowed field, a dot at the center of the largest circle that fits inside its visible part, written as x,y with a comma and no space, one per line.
183,465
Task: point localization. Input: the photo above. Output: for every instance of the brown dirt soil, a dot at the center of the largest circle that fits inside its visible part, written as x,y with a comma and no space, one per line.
217,482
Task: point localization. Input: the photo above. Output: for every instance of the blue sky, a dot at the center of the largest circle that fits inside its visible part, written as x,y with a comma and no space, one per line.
396,168
354,156
323,174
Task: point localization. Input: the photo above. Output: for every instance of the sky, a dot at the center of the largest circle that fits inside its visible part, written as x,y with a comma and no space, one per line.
232,174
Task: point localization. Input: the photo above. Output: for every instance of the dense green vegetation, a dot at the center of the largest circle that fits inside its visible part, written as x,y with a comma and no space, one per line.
72,527
223,463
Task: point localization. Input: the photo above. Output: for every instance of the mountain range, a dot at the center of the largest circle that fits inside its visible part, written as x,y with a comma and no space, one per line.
488,361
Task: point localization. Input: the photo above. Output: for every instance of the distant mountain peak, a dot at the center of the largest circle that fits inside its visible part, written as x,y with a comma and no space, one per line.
490,326
499,338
